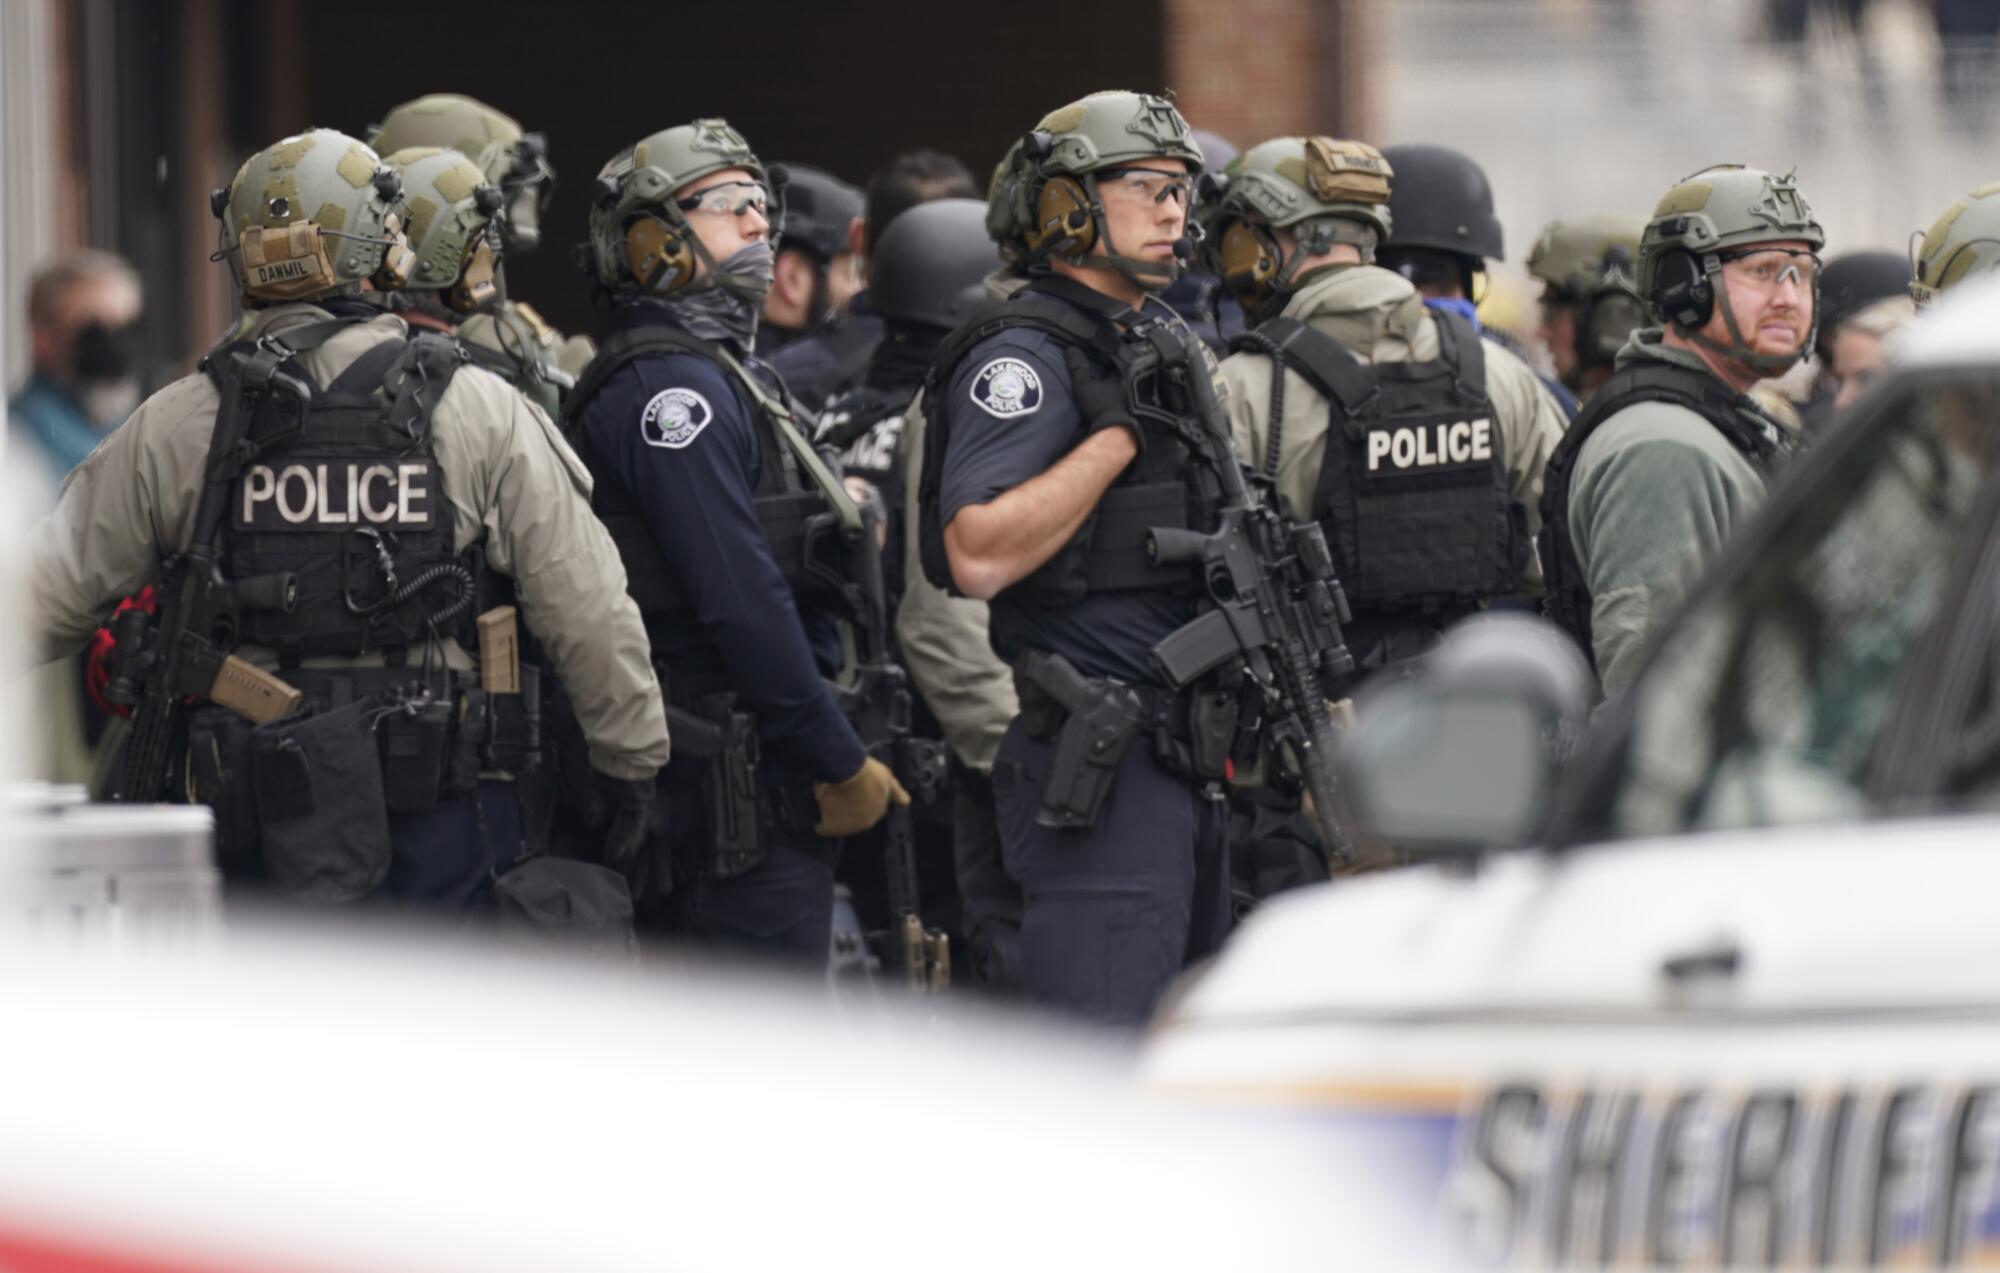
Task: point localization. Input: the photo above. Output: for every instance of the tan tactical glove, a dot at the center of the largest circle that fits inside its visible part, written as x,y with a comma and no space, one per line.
852,806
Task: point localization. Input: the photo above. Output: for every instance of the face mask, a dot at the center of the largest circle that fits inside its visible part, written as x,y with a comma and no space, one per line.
105,353
726,309
108,402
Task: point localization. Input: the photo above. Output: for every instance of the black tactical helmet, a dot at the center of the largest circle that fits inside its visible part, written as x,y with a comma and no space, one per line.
819,208
930,262
1851,283
1442,201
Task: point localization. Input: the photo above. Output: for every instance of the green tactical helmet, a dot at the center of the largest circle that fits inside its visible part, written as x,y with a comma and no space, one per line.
1324,190
314,216
453,214
1680,262
1963,242
1044,199
640,240
1586,255
514,161
1724,207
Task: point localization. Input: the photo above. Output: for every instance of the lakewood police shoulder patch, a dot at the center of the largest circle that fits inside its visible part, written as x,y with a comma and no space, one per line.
1006,388
674,418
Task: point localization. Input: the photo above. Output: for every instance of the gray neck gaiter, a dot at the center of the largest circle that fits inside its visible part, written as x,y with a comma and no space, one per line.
726,306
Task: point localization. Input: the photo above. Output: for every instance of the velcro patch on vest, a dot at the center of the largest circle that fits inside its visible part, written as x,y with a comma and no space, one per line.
306,493
1007,388
674,417
1401,450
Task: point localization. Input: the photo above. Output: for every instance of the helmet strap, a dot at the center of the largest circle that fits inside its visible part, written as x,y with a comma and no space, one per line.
1738,349
1151,276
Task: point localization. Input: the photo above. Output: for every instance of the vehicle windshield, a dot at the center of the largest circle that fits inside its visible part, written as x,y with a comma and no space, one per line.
1770,701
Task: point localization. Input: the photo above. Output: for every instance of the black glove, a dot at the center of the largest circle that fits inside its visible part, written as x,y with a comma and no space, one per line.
1100,396
624,807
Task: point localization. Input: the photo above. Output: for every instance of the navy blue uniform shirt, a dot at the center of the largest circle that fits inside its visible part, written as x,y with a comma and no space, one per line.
682,437
821,365
1011,417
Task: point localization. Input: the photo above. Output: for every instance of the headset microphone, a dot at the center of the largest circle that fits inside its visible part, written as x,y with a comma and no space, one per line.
1184,248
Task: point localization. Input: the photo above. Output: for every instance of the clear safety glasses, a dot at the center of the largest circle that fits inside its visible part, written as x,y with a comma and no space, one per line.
731,198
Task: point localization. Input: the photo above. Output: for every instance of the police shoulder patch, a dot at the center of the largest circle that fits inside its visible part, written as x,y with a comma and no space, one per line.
1006,388
674,418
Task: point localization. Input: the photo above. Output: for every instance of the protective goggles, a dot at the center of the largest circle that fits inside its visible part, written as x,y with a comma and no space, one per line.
1148,184
1768,267
731,198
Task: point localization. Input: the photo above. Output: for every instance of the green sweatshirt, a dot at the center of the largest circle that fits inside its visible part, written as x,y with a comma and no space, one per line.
1656,491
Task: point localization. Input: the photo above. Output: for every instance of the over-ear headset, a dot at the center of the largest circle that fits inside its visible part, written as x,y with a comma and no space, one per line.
1682,290
398,261
1064,218
658,254
1248,258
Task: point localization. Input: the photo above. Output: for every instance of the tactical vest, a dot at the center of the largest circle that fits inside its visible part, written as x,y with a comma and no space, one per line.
864,426
1161,488
1643,381
802,517
1412,488
350,500
527,360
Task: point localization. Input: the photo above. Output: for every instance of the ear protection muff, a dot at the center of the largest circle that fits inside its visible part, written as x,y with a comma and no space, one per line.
658,255
1248,259
1682,291
1604,324
398,261
1063,219
478,283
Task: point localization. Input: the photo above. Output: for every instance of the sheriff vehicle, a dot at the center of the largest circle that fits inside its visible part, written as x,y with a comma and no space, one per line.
1711,975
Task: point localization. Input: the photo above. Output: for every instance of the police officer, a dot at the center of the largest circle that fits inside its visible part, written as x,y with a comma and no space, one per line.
818,264
1419,447
1864,297
1443,231
372,508
1590,297
1672,453
1040,486
823,365
508,337
721,508
455,232
1963,242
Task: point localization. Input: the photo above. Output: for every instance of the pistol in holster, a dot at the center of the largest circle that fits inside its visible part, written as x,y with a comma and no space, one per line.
1094,720
732,787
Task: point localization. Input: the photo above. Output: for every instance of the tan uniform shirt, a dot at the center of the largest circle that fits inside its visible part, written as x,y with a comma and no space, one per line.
944,638
1379,318
508,475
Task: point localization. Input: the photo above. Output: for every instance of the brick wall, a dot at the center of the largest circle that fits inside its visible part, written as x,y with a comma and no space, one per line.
1254,69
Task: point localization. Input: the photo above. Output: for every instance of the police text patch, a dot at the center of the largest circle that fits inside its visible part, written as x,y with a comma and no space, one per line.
1007,387
1416,447
674,418
311,493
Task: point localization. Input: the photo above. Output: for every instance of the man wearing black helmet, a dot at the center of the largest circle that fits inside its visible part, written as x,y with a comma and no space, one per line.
1443,231
828,361
818,265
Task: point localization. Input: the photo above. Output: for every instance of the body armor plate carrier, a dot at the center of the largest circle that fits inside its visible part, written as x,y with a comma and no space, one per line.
1645,381
1412,488
350,500
1108,553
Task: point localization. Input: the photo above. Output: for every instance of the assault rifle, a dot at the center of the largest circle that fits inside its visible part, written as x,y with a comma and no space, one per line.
1276,606
183,652
879,704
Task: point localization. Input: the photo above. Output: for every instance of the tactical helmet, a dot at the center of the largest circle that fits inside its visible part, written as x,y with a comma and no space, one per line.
819,210
512,160
1591,264
1963,242
640,239
452,213
1680,254
1049,182
931,262
314,216
1443,202
1325,191
1852,282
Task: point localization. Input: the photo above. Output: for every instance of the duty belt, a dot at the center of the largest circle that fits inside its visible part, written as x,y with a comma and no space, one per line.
1093,721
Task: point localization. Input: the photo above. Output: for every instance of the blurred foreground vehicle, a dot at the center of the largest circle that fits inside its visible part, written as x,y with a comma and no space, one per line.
1717,978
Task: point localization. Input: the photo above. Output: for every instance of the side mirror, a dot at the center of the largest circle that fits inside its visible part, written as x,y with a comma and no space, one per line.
1461,755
